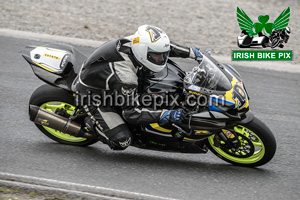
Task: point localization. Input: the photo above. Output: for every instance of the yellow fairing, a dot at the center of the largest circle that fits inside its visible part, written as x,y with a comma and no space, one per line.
159,128
239,89
43,67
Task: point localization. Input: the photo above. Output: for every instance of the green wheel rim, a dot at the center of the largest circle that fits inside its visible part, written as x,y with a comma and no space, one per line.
259,150
52,106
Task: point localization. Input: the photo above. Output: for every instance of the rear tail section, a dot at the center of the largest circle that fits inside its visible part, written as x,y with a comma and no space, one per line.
55,64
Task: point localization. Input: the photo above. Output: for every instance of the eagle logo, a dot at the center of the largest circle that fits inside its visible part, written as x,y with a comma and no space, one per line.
268,34
252,29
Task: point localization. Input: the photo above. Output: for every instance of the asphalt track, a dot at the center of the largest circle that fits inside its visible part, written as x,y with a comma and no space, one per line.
25,151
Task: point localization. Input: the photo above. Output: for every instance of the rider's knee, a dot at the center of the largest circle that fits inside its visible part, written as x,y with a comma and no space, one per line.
120,136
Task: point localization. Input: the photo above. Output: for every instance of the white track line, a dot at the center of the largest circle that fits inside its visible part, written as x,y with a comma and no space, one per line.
68,187
58,191
269,65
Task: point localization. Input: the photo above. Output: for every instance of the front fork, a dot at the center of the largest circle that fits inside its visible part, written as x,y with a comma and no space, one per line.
229,137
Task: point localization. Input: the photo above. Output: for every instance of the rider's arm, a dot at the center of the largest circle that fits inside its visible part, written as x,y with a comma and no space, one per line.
139,115
177,50
135,113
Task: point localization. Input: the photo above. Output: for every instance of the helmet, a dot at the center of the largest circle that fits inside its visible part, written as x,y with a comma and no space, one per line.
288,30
151,46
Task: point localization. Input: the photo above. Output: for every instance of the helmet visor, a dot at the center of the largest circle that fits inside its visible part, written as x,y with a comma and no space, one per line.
157,58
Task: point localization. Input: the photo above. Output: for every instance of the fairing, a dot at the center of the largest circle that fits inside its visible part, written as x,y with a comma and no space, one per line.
227,98
55,64
221,84
208,75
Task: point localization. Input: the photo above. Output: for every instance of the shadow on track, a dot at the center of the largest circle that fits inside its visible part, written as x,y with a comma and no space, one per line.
93,155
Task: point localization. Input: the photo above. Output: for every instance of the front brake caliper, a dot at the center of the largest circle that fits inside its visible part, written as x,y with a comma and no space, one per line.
217,141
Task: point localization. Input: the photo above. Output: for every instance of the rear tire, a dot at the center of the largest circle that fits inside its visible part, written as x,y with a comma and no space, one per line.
264,42
47,97
262,140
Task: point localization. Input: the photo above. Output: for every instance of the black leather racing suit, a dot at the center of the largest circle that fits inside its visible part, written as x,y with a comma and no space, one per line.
111,69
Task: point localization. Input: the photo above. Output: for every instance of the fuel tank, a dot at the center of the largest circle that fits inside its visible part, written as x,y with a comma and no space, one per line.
170,80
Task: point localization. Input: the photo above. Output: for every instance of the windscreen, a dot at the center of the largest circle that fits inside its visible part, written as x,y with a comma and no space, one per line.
208,75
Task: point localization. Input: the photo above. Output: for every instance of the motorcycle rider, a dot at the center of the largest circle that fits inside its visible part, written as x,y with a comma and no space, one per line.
113,67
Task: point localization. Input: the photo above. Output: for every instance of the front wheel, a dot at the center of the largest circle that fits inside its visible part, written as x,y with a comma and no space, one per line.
257,145
275,42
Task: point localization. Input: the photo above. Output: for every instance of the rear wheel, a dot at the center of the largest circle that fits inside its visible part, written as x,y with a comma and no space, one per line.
257,145
51,98
264,42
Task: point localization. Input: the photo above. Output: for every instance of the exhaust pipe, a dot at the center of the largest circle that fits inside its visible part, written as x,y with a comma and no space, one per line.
45,118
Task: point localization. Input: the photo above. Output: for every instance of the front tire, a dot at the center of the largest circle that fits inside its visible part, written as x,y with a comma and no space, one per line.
259,140
274,43
51,98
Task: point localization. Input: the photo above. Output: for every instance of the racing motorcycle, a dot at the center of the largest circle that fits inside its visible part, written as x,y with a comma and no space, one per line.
224,125
245,41
278,37
275,39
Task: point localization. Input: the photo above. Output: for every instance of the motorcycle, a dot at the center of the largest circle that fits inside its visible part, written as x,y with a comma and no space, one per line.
275,39
245,41
224,124
278,37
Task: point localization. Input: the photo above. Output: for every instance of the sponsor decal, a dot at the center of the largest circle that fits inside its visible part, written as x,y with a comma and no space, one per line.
52,56
196,93
194,87
43,122
239,96
154,32
136,40
228,133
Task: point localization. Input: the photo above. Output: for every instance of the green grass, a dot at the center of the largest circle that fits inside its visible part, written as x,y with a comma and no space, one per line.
4,190
15,193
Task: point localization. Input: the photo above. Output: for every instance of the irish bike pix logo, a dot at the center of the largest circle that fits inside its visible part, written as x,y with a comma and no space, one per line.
263,34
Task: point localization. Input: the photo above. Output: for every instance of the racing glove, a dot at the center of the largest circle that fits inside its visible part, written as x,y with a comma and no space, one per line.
195,53
172,116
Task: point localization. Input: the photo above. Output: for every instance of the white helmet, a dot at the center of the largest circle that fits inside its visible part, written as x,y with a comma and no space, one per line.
151,46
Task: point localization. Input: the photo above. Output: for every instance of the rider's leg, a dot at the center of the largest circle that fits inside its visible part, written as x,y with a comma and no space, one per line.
108,123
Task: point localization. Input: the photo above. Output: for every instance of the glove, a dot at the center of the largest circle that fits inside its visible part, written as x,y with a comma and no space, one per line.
197,53
172,116
207,51
198,57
